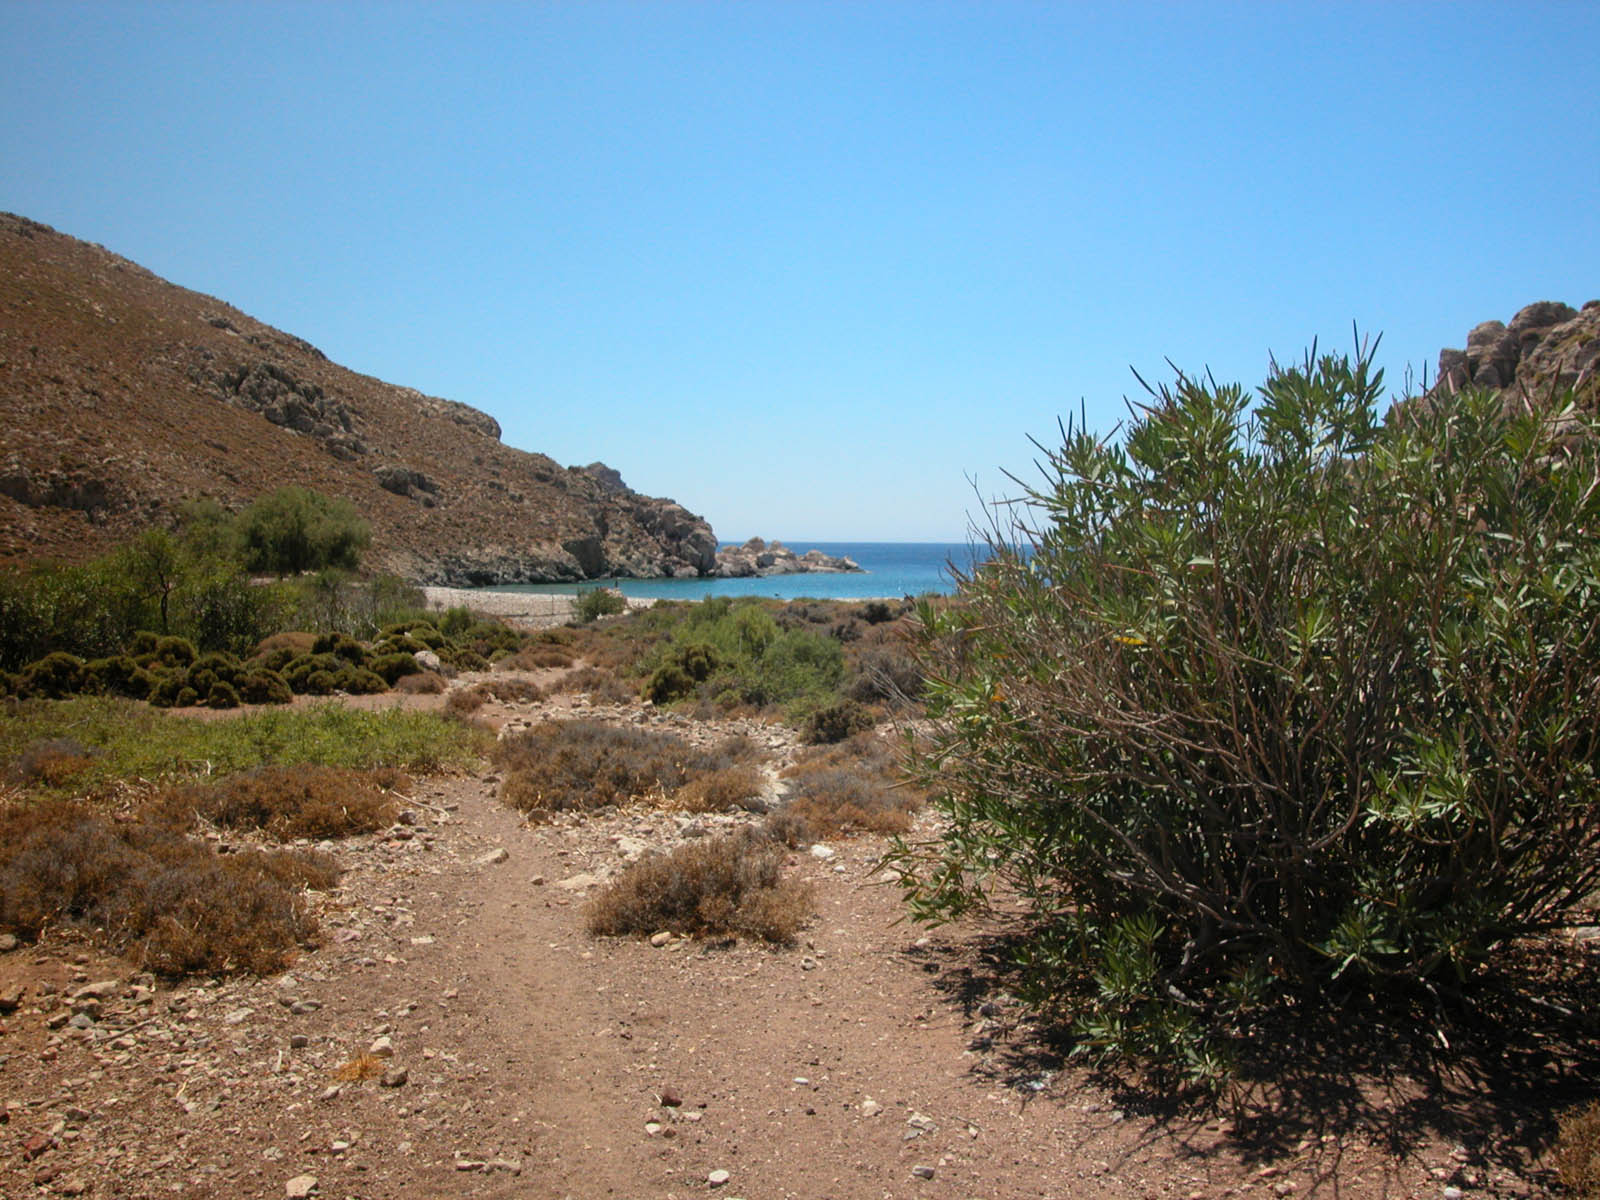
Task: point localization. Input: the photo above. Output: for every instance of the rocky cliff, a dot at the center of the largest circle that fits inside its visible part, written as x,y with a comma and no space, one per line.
123,395
1547,349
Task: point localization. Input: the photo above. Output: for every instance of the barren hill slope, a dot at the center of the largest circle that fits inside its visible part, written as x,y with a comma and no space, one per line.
122,395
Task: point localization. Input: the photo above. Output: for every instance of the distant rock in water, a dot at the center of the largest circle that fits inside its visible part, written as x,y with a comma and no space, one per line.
757,557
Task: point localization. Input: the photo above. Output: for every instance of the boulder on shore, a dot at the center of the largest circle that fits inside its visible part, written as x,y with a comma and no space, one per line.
759,557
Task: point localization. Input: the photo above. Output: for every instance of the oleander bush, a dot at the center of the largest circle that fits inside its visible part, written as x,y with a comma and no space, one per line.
1272,697
594,603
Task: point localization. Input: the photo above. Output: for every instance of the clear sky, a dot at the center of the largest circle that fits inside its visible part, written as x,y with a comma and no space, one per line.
810,268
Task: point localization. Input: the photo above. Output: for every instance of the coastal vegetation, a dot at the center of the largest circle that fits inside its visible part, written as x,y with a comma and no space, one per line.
1279,704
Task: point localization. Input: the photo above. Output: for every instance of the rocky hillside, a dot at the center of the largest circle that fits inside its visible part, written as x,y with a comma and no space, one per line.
1548,348
123,395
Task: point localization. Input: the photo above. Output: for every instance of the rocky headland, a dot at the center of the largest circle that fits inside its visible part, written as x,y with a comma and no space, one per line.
1547,349
124,396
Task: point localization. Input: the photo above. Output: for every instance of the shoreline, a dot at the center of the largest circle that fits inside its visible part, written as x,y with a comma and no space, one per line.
536,609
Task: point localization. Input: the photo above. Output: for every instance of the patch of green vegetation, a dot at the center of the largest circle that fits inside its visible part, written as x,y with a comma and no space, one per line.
124,740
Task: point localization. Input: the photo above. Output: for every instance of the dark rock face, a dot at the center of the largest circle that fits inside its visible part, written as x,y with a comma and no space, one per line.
1548,347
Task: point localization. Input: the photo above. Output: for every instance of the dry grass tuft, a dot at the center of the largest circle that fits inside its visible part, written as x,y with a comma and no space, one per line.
510,691
146,890
360,1069
730,884
291,802
1577,1152
464,701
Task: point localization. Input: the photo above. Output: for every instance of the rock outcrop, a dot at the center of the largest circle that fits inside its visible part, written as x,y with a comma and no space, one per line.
1548,348
758,557
122,396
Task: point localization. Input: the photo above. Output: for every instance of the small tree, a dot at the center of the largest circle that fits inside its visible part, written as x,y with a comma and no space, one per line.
1274,698
295,529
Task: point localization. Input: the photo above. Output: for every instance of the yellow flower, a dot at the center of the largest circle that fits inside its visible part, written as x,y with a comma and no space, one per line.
1128,641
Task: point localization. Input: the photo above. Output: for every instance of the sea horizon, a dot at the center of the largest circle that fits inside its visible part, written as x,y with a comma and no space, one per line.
890,569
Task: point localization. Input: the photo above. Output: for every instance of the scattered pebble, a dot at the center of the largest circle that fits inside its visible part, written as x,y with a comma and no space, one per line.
718,1177
300,1187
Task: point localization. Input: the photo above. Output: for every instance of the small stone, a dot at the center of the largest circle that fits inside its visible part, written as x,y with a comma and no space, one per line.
497,855
578,882
338,1147
1451,1193
652,1127
808,963
537,881
101,989
73,1185
822,851
660,939
718,1177
300,1187
394,1077
331,1092
238,1016
870,1108
301,1007
11,999
382,1047
298,1041
8,943
671,1097
922,1171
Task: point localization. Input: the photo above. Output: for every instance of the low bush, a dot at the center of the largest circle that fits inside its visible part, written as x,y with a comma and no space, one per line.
53,677
537,657
392,668
836,722
287,803
599,685
562,766
426,683
885,672
732,884
1577,1152
263,686
465,701
722,789
594,603
51,762
146,890
118,675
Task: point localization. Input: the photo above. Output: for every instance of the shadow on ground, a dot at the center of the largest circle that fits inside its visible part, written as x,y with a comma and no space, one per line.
1490,1069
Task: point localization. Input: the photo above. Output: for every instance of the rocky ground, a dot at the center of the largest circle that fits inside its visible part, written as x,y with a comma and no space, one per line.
459,1034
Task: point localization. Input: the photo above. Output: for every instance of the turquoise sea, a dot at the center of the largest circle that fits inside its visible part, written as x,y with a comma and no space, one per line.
889,569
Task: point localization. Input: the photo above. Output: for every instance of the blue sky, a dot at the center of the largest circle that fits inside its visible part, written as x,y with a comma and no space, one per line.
810,268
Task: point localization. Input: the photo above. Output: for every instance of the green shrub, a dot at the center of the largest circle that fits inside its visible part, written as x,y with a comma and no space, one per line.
456,620
118,675
294,529
262,685
593,603
667,683
222,695
835,722
343,646
393,667
1275,697
53,677
358,681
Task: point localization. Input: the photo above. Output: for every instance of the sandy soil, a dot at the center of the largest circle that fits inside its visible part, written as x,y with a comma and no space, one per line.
520,1057
531,609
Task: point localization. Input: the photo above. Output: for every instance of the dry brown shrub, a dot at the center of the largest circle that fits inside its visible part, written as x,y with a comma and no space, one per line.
300,643
600,685
721,789
728,884
147,890
464,701
424,683
537,657
853,786
1577,1153
50,762
563,766
291,802
360,1069
510,691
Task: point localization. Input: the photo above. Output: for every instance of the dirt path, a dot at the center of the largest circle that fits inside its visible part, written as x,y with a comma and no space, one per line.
525,1059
